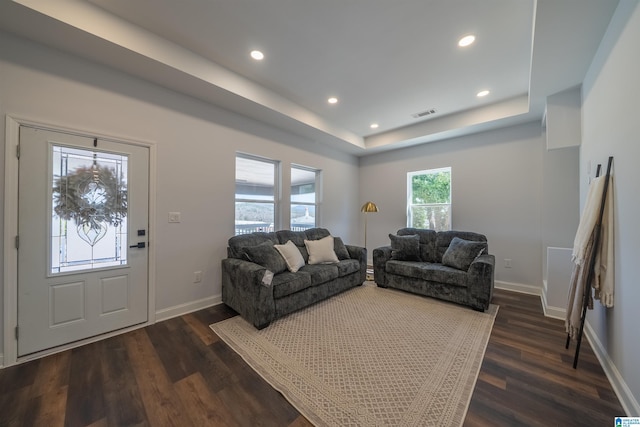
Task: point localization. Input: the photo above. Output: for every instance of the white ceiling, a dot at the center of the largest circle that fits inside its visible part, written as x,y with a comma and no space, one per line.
384,60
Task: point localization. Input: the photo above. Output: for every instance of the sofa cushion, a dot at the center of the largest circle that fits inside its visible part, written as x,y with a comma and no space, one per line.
340,249
461,253
321,251
238,243
405,248
288,283
428,271
348,266
292,256
297,237
316,233
444,238
266,255
320,273
427,242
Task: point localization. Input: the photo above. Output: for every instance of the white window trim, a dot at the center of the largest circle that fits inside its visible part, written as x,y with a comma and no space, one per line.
318,189
410,175
277,185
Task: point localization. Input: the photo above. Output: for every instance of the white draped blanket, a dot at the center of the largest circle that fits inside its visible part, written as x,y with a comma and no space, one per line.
603,281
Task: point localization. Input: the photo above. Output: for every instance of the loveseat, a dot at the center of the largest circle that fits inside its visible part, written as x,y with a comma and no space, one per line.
450,265
268,275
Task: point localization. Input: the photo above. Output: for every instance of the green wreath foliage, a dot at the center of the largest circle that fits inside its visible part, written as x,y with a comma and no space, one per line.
70,202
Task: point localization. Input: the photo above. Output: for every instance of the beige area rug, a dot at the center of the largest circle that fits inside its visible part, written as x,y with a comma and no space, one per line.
370,357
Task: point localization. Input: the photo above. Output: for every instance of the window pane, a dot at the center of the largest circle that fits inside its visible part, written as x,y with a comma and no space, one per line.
303,217
303,198
255,179
89,210
429,199
255,194
431,217
251,217
431,187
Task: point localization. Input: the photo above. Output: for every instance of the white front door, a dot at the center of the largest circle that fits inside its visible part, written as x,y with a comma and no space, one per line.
82,227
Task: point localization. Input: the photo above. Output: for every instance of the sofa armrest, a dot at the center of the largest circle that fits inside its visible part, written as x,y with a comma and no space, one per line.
359,253
481,281
380,257
246,287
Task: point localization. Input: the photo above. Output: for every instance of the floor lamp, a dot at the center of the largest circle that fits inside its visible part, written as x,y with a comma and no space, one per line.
368,207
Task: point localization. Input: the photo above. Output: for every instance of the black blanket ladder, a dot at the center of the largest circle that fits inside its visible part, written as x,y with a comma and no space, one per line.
587,285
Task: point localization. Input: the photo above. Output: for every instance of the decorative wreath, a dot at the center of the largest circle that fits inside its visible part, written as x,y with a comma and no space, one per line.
91,195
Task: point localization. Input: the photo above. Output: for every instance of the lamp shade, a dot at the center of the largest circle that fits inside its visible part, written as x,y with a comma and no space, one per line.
369,207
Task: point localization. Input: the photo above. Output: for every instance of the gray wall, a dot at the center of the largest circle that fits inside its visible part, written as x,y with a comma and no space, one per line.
610,127
196,146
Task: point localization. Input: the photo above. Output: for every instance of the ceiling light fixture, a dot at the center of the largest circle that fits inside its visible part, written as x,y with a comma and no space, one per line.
374,126
466,40
257,55
332,100
482,93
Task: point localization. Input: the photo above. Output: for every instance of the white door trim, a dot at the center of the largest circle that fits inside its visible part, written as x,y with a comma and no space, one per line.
12,138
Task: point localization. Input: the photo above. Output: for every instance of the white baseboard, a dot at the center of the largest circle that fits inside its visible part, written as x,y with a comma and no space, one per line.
179,310
549,310
627,400
518,287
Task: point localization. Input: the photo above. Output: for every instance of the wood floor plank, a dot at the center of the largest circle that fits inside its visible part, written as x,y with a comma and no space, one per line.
178,372
123,402
85,400
162,406
203,331
203,407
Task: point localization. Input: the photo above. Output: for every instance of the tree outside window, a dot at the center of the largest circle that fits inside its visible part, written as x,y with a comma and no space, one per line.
429,199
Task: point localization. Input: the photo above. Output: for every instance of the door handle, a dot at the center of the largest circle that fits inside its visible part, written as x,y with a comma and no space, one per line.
139,245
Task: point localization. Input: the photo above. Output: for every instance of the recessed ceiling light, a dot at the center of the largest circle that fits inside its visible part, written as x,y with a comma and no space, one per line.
332,100
257,55
482,93
374,126
466,40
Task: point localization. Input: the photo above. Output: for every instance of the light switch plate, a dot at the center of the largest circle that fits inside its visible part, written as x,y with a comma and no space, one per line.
174,216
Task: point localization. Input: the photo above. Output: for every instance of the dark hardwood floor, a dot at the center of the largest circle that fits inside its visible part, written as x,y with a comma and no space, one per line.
178,372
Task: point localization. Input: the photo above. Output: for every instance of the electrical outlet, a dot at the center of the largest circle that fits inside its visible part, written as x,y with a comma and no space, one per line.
174,216
197,276
507,263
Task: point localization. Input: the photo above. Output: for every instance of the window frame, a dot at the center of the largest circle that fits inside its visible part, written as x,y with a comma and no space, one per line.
410,203
317,189
276,202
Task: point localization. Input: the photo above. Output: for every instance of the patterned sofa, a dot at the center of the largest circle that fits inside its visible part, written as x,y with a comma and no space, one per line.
450,265
268,275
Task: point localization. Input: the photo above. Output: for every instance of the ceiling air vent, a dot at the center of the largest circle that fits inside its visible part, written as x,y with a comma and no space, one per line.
424,113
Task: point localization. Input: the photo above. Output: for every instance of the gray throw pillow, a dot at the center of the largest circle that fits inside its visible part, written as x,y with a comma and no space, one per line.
405,248
461,253
340,249
266,255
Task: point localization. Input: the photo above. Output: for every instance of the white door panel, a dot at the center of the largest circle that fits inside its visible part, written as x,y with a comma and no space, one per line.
82,204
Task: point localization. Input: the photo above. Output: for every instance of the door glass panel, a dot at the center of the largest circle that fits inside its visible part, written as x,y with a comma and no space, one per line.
88,210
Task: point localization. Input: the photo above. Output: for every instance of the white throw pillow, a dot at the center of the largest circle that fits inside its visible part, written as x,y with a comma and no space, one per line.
291,255
321,251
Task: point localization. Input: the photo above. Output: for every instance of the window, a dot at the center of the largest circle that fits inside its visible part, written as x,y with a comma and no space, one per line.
429,199
304,197
256,194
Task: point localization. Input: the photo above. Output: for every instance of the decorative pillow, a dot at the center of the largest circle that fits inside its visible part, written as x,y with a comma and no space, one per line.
266,255
405,248
292,256
340,249
461,253
321,251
